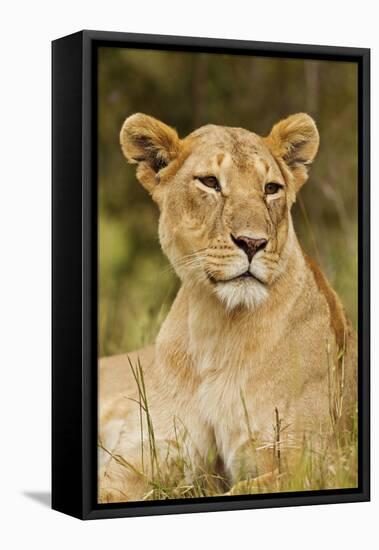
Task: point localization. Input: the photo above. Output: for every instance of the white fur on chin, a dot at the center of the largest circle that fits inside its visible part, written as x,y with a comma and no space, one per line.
248,293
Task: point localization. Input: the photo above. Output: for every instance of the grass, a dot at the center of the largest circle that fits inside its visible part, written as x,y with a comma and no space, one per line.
315,461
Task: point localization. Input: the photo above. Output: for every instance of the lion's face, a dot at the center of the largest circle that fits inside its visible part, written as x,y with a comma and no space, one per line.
225,196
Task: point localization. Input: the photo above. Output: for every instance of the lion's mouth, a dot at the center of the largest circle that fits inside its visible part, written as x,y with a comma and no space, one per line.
243,276
247,275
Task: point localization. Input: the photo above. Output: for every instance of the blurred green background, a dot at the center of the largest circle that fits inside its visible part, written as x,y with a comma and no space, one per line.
185,90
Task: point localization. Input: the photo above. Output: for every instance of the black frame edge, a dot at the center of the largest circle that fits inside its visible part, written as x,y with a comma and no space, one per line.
364,265
198,42
67,424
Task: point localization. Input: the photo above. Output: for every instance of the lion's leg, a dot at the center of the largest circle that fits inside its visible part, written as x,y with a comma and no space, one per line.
122,479
260,451
132,473
250,460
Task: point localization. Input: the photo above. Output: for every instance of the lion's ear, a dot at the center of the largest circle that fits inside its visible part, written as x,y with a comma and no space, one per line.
149,143
295,140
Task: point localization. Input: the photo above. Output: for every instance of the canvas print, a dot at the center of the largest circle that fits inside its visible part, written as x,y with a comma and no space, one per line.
227,275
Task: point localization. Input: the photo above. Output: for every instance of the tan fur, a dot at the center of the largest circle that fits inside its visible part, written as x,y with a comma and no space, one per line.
267,341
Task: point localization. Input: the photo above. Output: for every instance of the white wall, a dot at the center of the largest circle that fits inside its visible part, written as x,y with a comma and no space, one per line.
27,28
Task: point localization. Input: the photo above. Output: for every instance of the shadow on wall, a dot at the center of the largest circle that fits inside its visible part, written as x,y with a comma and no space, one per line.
42,497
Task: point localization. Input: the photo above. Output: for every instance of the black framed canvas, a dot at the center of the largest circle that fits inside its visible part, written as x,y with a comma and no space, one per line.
210,287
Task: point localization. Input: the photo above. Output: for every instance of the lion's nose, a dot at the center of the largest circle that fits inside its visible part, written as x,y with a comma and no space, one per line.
248,245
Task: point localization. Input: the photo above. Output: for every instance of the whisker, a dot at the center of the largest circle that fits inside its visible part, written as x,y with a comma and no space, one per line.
187,260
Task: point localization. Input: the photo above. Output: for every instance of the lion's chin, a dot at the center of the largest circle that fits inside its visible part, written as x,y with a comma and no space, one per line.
247,293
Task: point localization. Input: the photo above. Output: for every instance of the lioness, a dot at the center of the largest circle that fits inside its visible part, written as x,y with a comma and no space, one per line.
255,335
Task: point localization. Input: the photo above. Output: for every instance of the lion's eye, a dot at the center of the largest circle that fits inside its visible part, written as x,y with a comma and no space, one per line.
271,188
210,181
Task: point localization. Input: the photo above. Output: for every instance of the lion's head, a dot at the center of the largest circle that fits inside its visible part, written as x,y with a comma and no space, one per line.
225,196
